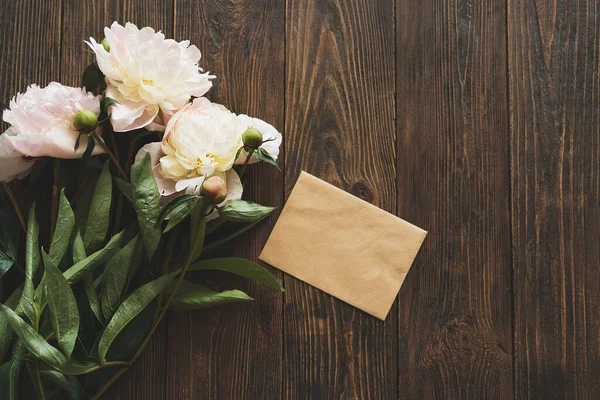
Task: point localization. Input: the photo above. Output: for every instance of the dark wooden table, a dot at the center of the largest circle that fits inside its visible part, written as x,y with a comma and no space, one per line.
476,120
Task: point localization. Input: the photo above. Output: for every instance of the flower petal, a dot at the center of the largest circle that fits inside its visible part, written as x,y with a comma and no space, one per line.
189,184
12,163
59,142
128,115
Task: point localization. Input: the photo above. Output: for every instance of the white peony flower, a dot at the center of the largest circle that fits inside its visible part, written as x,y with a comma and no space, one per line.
202,140
151,77
167,187
42,126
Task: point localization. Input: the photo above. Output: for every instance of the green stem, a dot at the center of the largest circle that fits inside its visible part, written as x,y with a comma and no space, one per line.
55,198
166,267
114,147
246,162
201,231
195,247
38,381
15,204
109,383
110,155
110,364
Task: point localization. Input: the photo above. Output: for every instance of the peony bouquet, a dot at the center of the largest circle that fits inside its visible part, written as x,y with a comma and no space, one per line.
114,197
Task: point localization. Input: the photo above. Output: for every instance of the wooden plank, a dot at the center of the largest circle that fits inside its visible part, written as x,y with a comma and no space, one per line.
235,352
30,46
340,127
555,120
8,51
455,336
82,19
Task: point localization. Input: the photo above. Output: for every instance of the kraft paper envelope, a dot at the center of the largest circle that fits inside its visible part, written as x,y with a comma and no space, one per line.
343,245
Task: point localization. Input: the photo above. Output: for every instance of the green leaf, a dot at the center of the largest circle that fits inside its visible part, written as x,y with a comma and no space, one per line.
93,78
82,202
116,275
77,271
227,232
92,296
79,253
69,384
10,373
10,235
125,188
238,266
178,215
6,332
192,296
89,288
178,210
264,155
63,307
6,263
244,211
63,230
107,102
146,201
197,231
32,249
131,337
88,332
168,210
98,219
129,308
33,341
32,260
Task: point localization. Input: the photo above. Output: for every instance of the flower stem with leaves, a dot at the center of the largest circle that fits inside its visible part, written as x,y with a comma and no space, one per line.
196,246
15,205
110,155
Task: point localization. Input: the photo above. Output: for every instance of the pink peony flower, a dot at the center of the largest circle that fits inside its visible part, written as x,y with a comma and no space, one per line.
42,126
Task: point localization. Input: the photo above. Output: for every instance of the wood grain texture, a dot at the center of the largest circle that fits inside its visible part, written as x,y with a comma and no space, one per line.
478,121
30,45
554,51
454,181
340,127
235,352
75,54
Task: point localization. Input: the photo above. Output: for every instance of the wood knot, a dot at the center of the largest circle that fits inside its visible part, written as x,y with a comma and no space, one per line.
362,191
461,336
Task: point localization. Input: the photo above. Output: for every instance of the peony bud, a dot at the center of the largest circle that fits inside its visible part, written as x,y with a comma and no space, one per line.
105,44
252,138
86,121
214,189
